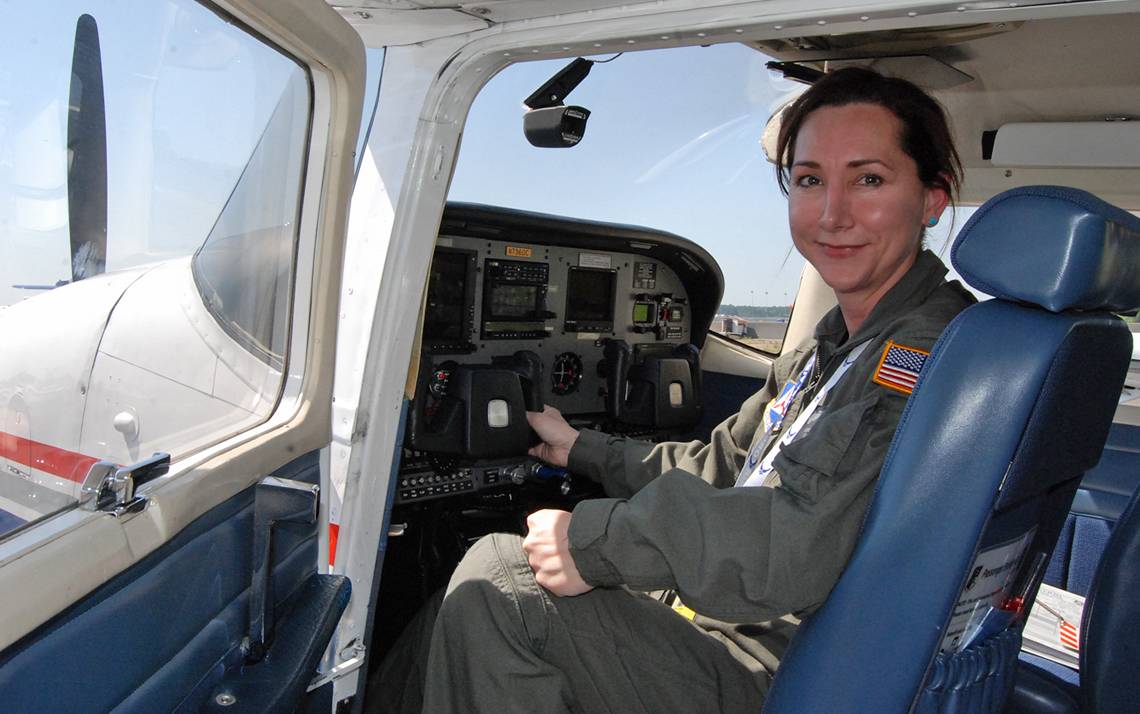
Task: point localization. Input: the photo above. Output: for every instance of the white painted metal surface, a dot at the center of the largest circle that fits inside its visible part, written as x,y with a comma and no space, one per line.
57,334
1099,144
182,358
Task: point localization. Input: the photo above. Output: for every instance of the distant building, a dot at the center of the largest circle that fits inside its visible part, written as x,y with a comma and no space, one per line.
733,325
759,328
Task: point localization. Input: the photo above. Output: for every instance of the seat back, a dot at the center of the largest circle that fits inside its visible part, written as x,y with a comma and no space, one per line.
1012,407
1110,630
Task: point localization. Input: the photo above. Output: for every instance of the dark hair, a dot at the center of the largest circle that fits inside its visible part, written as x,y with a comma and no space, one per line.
925,133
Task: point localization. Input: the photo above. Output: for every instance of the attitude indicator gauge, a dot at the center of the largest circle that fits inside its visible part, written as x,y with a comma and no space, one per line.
566,373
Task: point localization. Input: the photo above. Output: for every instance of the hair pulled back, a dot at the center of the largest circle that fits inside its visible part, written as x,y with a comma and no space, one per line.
925,132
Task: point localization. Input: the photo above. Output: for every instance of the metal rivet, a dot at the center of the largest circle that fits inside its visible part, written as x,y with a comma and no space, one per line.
363,15
1008,173
912,14
777,27
821,22
225,699
702,34
864,18
739,31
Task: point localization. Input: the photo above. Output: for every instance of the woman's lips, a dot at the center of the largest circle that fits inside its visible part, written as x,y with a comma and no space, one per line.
840,251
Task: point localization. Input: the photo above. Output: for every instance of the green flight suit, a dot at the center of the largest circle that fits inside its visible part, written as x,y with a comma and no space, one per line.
739,555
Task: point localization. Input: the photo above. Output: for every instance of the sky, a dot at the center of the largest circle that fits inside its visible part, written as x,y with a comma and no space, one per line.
187,96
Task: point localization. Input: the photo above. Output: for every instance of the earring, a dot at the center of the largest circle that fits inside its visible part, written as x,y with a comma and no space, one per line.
933,221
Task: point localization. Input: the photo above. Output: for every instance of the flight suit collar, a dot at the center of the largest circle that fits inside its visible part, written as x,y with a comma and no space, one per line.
910,291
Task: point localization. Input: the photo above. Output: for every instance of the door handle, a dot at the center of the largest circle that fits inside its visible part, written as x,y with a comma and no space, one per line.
112,489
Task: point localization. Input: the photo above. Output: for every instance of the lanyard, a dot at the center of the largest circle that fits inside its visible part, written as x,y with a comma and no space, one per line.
759,474
775,410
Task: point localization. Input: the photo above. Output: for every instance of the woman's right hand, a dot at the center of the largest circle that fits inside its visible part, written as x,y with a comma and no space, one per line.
557,436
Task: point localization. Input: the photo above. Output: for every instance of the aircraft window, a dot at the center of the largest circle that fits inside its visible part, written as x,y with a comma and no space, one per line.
672,144
243,269
151,160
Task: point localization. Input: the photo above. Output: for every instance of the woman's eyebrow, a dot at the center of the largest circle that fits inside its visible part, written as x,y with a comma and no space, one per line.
854,163
857,163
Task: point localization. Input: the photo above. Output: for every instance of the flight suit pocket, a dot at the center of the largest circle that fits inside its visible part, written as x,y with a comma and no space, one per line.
809,465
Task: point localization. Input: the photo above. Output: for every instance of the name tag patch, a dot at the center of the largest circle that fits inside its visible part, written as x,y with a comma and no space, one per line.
899,367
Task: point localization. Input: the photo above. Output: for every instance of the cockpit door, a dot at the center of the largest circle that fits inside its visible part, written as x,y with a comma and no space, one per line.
175,427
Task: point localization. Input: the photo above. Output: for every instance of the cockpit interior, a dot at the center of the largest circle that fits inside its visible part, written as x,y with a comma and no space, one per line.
610,323
604,322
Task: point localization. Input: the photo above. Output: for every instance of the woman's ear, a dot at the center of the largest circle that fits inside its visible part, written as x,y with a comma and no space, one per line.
935,202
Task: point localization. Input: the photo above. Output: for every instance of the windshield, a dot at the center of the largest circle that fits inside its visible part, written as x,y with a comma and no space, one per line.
673,143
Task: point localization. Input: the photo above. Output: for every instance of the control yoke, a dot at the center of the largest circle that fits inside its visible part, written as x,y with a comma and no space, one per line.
661,392
476,410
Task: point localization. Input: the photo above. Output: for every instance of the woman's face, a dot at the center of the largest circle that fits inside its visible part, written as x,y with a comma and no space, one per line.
856,206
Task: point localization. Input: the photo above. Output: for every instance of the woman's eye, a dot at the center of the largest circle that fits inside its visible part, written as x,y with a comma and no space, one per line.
871,180
808,180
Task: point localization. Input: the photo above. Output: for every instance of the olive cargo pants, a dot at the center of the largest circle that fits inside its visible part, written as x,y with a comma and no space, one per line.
501,643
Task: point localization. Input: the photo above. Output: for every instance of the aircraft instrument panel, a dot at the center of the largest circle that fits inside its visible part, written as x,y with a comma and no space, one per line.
602,322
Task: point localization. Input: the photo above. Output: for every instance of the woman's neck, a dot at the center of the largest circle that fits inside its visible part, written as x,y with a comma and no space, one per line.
857,306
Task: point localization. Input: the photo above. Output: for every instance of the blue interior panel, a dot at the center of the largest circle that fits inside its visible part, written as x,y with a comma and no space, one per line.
1106,489
9,522
158,635
1103,494
721,397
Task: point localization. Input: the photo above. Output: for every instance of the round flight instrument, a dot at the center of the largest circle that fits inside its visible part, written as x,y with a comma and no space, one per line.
566,373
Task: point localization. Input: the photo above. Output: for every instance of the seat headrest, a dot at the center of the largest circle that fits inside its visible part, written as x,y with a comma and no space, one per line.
1060,248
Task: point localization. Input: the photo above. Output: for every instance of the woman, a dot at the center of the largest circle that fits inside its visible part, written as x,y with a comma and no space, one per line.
544,625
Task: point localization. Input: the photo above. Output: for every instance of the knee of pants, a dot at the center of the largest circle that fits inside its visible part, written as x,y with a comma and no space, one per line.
492,584
478,579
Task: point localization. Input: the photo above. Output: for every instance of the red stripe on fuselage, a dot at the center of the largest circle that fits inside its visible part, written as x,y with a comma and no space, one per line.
334,533
66,464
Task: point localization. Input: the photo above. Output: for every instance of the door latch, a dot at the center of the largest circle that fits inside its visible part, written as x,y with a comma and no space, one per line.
111,488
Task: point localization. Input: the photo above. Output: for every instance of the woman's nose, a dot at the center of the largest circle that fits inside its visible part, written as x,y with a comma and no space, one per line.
836,214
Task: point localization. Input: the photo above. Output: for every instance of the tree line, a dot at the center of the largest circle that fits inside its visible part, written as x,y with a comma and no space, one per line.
755,311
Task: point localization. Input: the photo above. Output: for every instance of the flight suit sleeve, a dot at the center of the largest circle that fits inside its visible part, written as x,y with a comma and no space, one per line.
624,466
749,554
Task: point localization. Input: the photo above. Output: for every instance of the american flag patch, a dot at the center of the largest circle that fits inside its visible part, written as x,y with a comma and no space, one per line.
899,367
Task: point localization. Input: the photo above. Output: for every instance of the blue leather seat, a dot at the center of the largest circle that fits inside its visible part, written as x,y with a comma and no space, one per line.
1013,406
1110,637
